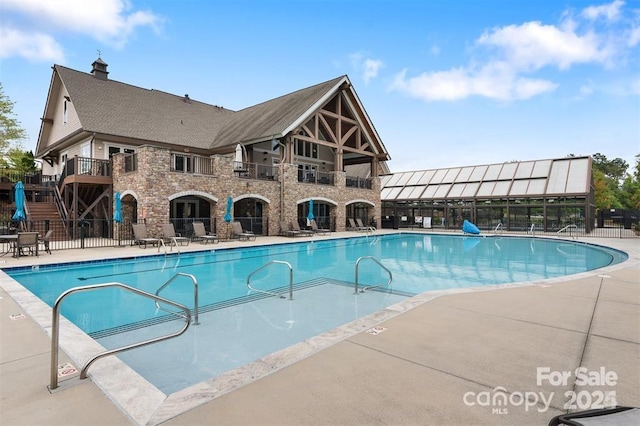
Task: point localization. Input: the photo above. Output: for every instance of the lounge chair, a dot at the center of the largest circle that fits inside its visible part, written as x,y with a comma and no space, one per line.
46,240
319,231
200,234
169,235
618,415
362,227
304,232
140,236
26,241
353,227
286,231
241,233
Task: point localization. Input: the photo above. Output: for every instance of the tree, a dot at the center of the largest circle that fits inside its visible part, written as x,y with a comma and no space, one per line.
630,188
11,133
615,169
605,193
22,161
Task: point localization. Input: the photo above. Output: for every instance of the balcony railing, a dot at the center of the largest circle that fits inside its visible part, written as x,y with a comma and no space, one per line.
358,182
312,176
255,171
195,164
35,178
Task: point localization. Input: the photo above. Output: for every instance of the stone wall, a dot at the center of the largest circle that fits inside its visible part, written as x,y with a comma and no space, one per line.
154,185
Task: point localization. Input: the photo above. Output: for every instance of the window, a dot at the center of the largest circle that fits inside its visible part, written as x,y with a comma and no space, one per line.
64,112
306,149
182,163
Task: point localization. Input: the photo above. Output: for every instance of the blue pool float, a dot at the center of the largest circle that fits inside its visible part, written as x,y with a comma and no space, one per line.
469,228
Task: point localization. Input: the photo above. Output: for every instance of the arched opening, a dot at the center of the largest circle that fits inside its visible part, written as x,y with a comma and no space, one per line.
321,213
361,210
252,213
188,209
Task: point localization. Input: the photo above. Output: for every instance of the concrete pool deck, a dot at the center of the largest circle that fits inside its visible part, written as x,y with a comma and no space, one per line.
450,360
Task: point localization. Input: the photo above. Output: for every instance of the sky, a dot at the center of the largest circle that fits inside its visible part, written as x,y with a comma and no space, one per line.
446,83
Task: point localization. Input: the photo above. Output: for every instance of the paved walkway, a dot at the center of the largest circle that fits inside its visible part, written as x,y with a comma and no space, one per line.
462,358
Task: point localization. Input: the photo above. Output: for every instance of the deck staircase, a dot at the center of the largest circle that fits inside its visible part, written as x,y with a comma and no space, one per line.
40,212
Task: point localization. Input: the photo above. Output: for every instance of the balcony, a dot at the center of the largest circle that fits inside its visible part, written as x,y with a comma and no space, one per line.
315,177
195,164
358,182
247,170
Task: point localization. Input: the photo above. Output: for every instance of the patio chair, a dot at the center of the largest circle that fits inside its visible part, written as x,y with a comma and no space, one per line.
26,242
46,240
140,236
304,232
242,234
286,231
200,234
352,226
618,415
362,227
169,235
319,231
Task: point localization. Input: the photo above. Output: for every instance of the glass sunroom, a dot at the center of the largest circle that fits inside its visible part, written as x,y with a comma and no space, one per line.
545,194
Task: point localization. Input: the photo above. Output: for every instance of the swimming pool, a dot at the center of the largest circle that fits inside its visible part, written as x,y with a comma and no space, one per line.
238,328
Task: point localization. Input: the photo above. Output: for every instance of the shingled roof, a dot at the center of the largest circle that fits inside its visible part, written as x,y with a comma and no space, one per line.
114,108
119,109
274,117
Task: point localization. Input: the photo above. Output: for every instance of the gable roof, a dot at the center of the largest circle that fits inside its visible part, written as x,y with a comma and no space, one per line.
122,110
274,117
108,106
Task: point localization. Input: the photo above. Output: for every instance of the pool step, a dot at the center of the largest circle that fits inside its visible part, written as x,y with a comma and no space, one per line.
218,305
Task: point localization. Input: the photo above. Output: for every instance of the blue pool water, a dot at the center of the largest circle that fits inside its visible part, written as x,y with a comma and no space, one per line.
238,326
418,263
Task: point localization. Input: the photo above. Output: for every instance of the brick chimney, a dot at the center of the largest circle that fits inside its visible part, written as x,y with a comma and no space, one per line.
99,69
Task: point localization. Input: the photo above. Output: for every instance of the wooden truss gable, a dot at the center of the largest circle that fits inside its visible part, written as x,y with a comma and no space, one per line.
335,125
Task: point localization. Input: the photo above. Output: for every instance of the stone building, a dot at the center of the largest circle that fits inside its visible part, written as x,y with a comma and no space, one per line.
174,159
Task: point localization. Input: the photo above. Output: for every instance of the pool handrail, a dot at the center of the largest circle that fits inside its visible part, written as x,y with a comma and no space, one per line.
174,242
270,292
498,228
569,228
195,294
371,286
55,327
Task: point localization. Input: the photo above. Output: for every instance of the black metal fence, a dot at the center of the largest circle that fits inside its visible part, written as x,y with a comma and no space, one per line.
82,233
95,233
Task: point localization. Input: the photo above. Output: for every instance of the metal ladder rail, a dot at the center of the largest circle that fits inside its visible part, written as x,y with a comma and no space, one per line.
270,292
174,243
371,286
55,327
532,230
568,227
498,228
195,294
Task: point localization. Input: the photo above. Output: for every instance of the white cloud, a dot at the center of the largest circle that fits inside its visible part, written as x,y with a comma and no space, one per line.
31,46
531,46
109,21
509,57
368,67
586,90
491,82
610,11
371,67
